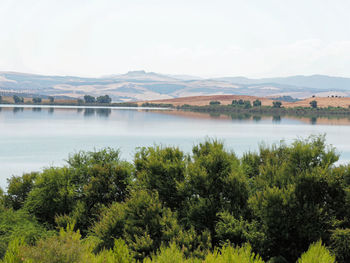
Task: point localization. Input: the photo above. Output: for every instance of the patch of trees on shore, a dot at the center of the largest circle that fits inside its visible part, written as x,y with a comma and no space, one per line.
100,100
280,204
246,107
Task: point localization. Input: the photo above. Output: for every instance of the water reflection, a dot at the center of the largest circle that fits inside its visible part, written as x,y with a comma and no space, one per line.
313,120
36,109
276,118
103,112
51,110
17,109
256,118
89,112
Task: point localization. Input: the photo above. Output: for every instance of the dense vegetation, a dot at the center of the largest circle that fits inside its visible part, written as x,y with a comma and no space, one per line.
281,204
246,107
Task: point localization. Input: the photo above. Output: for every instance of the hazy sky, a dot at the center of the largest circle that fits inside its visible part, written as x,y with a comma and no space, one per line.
253,38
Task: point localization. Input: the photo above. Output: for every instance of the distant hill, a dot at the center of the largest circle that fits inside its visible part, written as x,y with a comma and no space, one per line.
314,81
141,85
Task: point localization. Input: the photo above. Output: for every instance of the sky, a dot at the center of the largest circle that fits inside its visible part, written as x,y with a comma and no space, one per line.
252,38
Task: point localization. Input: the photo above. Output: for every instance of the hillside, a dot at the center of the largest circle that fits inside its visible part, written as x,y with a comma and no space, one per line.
141,85
227,99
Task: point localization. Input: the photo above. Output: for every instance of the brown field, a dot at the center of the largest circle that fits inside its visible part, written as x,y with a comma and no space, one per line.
204,100
227,99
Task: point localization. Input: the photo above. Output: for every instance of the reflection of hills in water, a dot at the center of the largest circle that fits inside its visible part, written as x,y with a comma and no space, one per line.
321,120
126,113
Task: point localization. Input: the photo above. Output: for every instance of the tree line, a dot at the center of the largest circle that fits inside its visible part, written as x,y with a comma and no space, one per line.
283,203
88,99
101,99
246,104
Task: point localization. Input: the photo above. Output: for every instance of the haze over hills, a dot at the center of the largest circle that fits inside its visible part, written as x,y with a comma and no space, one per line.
141,85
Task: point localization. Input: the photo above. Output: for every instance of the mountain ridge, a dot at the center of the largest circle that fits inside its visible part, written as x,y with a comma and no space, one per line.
141,85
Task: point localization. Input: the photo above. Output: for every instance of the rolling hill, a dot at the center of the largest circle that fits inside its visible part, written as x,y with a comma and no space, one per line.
141,86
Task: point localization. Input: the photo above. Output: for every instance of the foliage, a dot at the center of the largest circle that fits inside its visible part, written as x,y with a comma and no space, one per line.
37,100
89,99
18,189
214,102
142,221
276,104
340,244
256,103
51,99
18,99
168,206
313,104
66,247
162,169
78,192
103,99
317,253
18,224
229,254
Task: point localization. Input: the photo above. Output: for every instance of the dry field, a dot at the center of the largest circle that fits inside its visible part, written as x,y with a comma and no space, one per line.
227,99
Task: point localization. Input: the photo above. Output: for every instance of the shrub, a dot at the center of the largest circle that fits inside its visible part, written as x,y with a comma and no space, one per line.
317,253
214,102
229,254
340,244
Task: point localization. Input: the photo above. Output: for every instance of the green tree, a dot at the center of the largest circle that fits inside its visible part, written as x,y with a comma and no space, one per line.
247,104
162,169
18,189
340,244
317,253
89,99
142,221
53,194
104,99
256,103
18,99
313,104
36,100
214,102
214,184
51,99
18,224
276,104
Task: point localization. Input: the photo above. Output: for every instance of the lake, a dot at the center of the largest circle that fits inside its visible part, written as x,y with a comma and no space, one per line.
32,138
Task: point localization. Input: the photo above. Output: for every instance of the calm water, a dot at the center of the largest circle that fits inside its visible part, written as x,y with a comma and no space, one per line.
33,138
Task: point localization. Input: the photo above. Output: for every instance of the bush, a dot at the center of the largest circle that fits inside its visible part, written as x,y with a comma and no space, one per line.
276,104
214,102
317,253
17,99
36,100
340,244
18,225
66,247
229,254
104,99
256,103
89,99
18,189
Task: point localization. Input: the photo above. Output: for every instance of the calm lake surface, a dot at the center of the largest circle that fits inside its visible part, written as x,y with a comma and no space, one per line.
32,138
